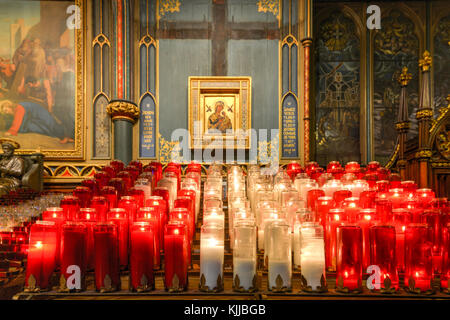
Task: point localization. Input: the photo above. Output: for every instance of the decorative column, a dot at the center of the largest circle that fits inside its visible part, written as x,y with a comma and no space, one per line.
424,117
402,125
124,115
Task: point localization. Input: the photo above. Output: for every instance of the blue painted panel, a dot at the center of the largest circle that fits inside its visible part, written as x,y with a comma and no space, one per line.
289,123
294,73
258,59
142,71
147,128
152,69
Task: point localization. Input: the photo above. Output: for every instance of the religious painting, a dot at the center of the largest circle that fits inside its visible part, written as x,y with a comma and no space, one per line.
41,76
219,112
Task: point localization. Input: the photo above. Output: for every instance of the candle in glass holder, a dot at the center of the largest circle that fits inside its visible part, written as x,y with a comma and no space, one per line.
151,216
41,256
165,194
101,206
244,256
418,258
138,195
383,255
183,214
110,170
70,205
145,185
351,208
331,186
366,219
335,218
118,165
349,258
107,277
119,217
134,171
127,178
176,247
73,253
89,217
340,195
211,257
161,205
352,167
187,203
445,270
357,186
323,205
434,219
129,204
141,253
279,255
214,216
425,197
102,179
92,185
367,199
110,193
383,208
312,197
84,195
400,219
303,186
119,185
57,215
192,195
312,257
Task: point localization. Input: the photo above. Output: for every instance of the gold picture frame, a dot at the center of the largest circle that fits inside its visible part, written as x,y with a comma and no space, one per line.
72,44
219,112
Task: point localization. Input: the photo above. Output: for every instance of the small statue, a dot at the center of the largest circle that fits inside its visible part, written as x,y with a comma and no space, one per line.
11,167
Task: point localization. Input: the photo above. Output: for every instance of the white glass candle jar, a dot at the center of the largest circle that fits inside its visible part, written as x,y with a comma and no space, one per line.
303,186
244,256
171,185
211,257
331,186
279,257
282,186
214,216
312,257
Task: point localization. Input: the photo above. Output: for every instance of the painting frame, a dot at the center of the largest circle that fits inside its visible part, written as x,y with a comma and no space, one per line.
79,45
203,93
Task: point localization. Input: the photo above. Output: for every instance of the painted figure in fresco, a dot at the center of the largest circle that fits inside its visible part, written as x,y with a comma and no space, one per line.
219,120
11,167
30,117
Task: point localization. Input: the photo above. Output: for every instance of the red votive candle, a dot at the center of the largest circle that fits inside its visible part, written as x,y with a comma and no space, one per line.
395,180
158,168
127,178
136,164
335,218
383,255
138,195
73,253
188,193
41,256
340,195
70,205
400,219
92,185
176,247
425,197
187,203
141,251
382,186
351,208
84,195
373,166
119,217
293,168
366,219
383,208
434,219
371,180
418,257
119,185
333,165
110,170
383,173
134,171
107,277
101,206
176,171
162,192
182,214
367,199
349,258
56,215
110,193
89,217
152,217
129,204
323,204
445,272
102,179
311,198
163,209
352,167
118,165
397,197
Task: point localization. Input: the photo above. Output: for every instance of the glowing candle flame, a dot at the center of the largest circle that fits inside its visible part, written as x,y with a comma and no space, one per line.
38,244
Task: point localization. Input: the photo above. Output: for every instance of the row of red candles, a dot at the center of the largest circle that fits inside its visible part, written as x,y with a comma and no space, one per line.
101,228
394,226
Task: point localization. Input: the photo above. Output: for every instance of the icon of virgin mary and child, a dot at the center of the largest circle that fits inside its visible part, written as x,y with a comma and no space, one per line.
219,119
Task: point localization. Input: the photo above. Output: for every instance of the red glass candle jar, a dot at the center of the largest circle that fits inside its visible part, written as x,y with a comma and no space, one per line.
409,187
434,219
362,172
89,217
182,214
418,258
152,217
102,179
186,202
138,195
382,186
371,180
118,165
120,186
373,166
383,208
333,165
84,195
188,193
164,193
107,277
119,217
310,167
351,208
110,193
158,167
316,173
70,205
163,209
395,180
56,215
176,247
445,272
383,173
41,256
312,196
383,255
340,195
366,219
110,170
92,185
127,178
73,253
134,171
293,168
349,259
101,206
136,164
141,251
401,218
129,204
352,167
397,197
335,218
177,173
425,197
323,204
337,173
367,199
